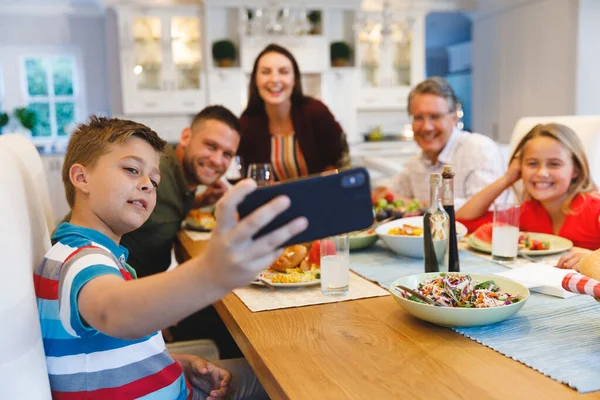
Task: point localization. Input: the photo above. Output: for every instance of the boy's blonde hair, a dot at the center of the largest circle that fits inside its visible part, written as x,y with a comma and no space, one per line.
90,141
583,183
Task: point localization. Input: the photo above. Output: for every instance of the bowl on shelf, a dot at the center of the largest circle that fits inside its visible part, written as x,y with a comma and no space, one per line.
409,246
460,317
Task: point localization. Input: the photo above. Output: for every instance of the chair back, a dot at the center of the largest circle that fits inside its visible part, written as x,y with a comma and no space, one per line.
24,239
28,155
587,128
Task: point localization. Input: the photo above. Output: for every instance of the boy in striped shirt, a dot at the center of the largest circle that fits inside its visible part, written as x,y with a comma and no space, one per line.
101,325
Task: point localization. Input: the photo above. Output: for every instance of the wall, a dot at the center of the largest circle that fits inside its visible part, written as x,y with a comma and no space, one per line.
587,100
84,32
524,64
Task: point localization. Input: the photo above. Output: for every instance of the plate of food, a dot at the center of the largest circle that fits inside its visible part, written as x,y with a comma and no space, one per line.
362,239
201,221
530,243
296,267
464,299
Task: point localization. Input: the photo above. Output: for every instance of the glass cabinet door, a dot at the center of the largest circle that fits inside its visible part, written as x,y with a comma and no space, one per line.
148,53
385,61
185,52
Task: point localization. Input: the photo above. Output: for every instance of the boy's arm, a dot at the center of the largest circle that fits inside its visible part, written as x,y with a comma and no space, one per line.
133,309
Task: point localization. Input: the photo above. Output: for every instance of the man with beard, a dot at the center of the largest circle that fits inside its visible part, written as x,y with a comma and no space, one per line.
202,156
476,158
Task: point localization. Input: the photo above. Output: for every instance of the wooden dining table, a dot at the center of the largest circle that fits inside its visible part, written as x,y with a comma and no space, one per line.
372,349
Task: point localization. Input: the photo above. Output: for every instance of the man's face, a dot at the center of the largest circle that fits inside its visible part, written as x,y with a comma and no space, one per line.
208,148
433,122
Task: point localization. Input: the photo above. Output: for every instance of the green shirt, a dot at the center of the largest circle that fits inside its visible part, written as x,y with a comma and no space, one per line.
150,245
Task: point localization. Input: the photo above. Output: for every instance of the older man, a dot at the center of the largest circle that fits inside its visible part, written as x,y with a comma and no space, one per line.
476,158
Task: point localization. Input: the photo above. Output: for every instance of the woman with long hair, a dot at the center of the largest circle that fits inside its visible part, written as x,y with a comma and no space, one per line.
297,134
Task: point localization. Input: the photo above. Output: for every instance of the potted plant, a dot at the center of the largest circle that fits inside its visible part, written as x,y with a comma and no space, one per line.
223,52
340,54
3,121
26,117
315,18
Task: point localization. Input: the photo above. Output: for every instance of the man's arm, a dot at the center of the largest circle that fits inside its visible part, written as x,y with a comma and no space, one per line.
232,258
211,195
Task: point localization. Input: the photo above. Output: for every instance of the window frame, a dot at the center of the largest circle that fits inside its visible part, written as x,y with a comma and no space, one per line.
54,141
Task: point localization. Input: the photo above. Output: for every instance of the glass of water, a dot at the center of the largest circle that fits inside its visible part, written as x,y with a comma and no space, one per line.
505,232
335,265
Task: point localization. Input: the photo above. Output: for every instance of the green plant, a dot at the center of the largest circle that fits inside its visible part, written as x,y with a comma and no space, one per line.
340,50
314,16
223,50
26,117
3,119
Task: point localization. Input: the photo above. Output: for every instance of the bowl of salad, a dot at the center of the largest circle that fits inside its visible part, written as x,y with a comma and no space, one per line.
404,236
362,239
464,299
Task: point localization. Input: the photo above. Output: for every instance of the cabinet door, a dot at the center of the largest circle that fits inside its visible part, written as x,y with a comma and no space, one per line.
339,94
225,87
143,69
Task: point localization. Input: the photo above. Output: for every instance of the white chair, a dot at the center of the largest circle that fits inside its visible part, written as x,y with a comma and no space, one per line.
24,239
29,156
586,127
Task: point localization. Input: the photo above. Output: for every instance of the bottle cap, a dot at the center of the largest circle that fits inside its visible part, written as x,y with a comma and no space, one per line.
447,169
435,179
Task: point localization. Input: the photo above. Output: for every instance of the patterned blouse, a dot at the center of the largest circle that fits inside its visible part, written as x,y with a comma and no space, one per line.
286,157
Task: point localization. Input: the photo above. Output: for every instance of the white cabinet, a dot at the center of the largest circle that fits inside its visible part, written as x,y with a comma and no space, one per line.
161,60
226,86
340,87
53,169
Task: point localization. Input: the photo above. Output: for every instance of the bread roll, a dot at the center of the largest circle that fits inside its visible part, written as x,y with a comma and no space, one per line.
590,265
290,258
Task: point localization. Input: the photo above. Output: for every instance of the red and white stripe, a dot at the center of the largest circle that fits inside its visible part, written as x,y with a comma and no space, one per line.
578,283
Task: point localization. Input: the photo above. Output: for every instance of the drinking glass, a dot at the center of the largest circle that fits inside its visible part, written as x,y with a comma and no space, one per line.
235,172
262,173
505,232
335,265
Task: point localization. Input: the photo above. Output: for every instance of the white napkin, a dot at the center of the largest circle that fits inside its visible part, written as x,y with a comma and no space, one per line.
540,278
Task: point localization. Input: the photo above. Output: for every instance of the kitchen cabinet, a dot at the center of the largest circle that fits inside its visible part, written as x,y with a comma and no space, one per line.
161,60
226,86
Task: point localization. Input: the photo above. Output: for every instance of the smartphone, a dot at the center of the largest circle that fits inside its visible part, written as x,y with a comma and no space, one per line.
333,203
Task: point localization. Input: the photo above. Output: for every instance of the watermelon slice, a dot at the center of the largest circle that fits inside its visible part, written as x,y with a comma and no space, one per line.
484,233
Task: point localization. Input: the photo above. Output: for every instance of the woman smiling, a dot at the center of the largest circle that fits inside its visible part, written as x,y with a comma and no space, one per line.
297,134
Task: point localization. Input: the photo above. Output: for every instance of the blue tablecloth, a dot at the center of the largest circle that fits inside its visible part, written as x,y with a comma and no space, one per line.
569,327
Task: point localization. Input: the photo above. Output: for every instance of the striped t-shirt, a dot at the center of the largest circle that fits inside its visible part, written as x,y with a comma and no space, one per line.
82,362
286,157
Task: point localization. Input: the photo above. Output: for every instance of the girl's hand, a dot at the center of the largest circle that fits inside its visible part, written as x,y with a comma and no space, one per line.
514,171
570,260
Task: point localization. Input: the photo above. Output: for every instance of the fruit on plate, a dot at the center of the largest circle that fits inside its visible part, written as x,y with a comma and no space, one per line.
389,206
526,242
484,232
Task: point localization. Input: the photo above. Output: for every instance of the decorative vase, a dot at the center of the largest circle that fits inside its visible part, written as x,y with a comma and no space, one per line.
225,63
339,62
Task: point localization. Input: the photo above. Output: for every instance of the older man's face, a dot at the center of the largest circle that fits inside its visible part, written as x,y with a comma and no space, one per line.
433,122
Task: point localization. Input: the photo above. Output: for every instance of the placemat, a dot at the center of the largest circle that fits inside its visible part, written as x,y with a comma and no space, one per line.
569,327
259,298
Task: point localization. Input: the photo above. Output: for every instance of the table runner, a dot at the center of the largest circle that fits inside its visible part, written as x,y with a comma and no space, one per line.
569,327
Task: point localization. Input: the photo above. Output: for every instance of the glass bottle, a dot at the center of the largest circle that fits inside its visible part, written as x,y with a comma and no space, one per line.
448,203
435,228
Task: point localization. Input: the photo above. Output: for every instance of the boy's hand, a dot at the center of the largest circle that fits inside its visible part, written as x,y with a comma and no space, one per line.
232,255
209,378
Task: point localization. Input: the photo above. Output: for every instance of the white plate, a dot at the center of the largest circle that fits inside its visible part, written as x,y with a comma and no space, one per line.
557,244
284,285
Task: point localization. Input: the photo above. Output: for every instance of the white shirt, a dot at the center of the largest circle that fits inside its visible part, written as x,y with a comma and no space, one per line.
475,158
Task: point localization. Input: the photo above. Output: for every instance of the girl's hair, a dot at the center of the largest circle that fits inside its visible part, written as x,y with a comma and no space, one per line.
256,104
583,183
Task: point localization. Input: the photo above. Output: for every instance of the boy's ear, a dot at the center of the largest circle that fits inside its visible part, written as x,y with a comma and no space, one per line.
79,178
186,136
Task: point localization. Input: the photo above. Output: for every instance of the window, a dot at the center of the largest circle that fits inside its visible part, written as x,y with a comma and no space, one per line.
52,92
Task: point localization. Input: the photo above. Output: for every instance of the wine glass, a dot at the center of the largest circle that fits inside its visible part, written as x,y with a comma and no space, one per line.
262,173
235,172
